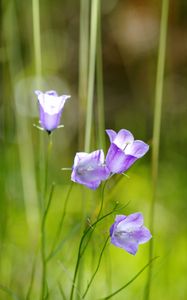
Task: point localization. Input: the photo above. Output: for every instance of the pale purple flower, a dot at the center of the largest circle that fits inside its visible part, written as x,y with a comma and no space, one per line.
123,151
89,169
50,106
128,232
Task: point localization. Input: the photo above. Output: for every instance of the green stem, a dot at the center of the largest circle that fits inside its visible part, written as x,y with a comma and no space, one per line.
98,216
130,281
83,65
61,291
43,243
9,292
32,278
157,126
100,91
91,76
37,36
81,251
49,147
60,223
97,268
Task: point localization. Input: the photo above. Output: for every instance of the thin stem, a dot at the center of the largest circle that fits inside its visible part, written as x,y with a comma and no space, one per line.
43,243
91,76
9,292
32,279
97,268
81,252
100,91
102,199
130,281
157,126
61,222
98,216
61,291
49,147
37,36
73,231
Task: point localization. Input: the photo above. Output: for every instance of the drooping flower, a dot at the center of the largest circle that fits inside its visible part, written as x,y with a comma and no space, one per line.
89,169
50,107
123,151
128,232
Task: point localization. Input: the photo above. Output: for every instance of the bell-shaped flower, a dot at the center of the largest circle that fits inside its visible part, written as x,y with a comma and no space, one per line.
123,151
89,169
128,232
50,107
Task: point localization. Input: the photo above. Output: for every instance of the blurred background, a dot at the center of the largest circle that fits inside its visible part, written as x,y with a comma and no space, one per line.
129,40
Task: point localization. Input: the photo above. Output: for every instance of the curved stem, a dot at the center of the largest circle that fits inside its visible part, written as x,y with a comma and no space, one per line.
60,223
98,216
97,268
130,281
80,250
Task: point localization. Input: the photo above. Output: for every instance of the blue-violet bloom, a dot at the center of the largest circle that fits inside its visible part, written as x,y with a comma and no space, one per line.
123,151
50,106
89,169
128,232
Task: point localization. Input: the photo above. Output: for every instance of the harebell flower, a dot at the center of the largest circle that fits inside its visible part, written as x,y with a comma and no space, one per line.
50,106
128,232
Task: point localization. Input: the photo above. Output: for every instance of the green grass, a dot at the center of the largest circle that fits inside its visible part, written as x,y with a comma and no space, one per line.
117,96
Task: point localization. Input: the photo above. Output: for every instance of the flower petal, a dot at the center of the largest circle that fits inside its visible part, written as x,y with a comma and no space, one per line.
112,134
92,185
125,242
128,232
117,161
91,159
137,149
123,138
51,104
52,93
118,219
78,157
37,92
49,122
131,223
142,235
89,169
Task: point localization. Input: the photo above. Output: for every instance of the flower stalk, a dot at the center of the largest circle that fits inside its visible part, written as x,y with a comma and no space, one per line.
43,243
82,247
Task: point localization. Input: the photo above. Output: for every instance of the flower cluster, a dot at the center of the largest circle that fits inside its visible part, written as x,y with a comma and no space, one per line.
90,169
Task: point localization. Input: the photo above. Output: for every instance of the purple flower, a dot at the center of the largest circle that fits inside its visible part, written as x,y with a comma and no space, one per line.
128,232
51,106
123,151
89,169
